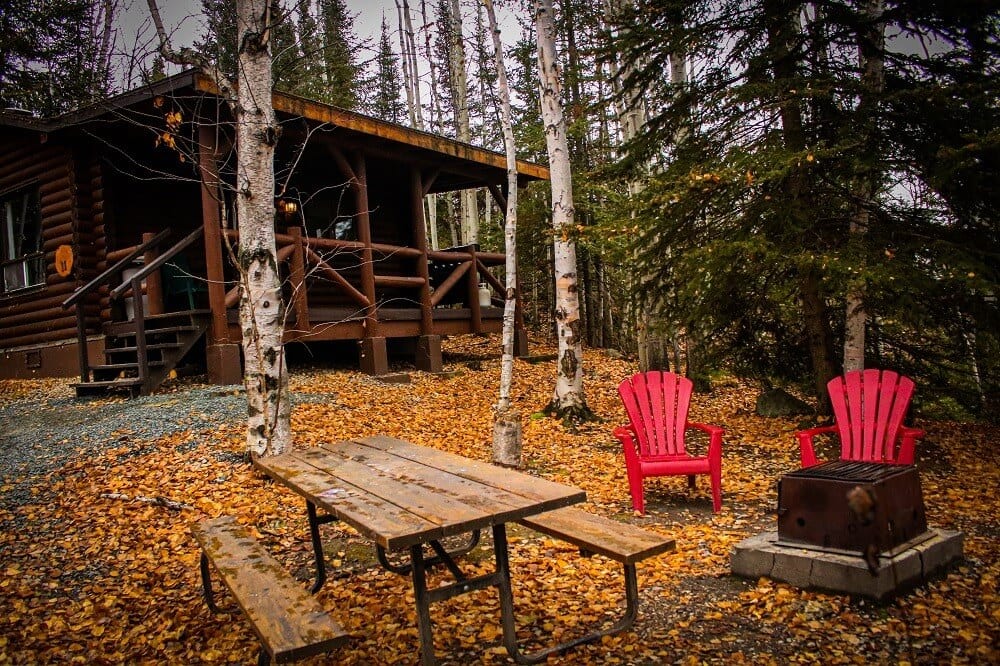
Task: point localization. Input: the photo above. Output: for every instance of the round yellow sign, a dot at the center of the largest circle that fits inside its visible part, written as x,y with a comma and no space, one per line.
64,260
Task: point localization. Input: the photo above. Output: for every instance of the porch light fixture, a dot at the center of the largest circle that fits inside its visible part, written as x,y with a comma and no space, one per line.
288,207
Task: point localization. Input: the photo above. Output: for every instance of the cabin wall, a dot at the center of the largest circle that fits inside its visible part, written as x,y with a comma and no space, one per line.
27,315
38,336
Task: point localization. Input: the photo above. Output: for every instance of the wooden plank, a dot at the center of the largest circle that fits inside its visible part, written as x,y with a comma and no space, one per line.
288,620
446,489
401,485
386,524
552,495
618,541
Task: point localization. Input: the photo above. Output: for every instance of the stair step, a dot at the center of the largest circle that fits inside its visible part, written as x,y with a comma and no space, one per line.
127,330
129,384
110,367
150,347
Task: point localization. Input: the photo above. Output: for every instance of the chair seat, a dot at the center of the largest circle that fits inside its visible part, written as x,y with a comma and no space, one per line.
674,465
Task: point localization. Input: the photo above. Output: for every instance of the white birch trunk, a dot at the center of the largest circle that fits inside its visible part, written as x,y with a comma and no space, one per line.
568,397
261,307
871,63
507,427
468,209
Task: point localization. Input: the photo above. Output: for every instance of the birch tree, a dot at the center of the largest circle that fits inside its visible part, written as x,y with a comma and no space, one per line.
507,427
568,399
451,14
261,307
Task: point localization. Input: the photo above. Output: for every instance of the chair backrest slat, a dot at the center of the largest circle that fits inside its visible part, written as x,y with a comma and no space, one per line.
869,407
657,404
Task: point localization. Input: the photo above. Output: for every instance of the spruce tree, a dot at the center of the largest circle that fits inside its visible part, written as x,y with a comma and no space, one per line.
763,166
387,104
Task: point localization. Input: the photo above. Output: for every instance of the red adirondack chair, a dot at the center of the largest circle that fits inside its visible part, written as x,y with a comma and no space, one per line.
657,406
868,410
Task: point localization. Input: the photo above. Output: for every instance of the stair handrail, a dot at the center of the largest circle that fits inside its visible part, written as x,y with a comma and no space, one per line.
135,283
119,265
155,265
81,325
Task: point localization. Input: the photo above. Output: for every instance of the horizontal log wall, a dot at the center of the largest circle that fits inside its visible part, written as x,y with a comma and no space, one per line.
35,315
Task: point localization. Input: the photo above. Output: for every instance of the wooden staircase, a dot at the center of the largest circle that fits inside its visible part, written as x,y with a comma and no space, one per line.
167,337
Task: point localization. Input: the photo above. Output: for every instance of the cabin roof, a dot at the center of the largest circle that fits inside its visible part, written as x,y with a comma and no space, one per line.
481,164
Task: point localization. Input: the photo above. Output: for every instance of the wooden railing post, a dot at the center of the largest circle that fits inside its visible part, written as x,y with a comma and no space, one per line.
154,281
142,357
473,289
81,337
420,238
297,275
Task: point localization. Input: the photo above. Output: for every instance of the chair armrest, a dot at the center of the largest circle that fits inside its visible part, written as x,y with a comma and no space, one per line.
908,443
806,451
715,434
627,436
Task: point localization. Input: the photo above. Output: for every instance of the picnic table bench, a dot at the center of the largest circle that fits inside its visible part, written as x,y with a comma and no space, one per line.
289,622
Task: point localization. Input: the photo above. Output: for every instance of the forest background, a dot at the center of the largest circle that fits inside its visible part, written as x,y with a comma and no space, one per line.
777,189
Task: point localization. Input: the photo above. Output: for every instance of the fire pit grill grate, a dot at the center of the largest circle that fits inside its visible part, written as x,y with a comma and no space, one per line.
813,510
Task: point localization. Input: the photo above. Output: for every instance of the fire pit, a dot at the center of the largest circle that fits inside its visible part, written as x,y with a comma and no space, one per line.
813,507
851,527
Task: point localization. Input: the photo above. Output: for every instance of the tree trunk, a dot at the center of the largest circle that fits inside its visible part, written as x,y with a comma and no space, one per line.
871,62
783,35
819,336
568,399
262,311
507,427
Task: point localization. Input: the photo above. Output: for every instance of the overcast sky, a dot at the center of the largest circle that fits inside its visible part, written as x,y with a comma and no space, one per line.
182,19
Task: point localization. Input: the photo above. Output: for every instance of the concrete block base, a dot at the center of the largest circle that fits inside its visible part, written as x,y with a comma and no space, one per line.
373,356
428,356
224,364
762,555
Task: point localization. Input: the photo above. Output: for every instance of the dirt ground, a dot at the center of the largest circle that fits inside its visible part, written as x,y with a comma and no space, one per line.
96,499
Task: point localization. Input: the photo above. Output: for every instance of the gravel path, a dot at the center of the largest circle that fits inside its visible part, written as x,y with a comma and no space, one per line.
40,432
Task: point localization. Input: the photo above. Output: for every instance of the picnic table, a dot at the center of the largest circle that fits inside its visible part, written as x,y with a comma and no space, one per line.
404,497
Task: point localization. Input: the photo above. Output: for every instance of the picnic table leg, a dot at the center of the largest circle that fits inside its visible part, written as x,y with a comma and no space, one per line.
317,543
206,584
422,601
507,607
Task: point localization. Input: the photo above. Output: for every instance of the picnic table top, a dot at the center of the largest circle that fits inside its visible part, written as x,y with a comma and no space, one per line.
400,494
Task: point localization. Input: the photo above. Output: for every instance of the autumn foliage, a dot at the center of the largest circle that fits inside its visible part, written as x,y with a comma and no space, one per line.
100,568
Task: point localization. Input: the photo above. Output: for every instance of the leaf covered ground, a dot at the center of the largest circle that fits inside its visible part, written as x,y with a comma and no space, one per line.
99,566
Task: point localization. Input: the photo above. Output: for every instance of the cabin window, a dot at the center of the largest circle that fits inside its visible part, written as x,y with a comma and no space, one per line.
22,258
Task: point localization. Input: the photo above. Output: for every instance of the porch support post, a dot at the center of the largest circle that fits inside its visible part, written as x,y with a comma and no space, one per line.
428,356
222,356
473,292
154,281
297,275
374,358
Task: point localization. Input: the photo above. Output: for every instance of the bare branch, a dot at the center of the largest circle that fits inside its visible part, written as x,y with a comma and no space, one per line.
188,57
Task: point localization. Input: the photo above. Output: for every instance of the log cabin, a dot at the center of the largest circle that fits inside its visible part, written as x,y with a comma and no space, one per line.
119,232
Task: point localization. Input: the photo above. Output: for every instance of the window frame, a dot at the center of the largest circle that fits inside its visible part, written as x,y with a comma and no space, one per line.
29,266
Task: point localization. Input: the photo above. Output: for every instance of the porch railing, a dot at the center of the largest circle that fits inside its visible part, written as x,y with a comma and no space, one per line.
309,256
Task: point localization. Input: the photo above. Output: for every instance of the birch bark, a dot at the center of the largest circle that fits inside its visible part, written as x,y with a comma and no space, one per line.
507,427
468,210
568,399
262,310
261,307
